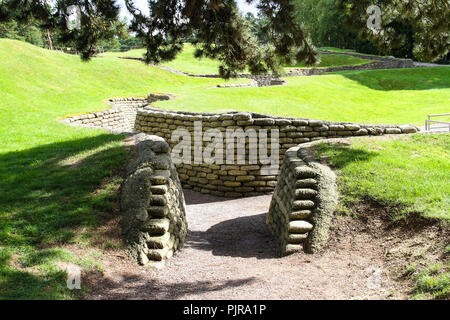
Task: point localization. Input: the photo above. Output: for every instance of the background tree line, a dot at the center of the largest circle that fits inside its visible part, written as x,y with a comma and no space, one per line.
284,32
33,32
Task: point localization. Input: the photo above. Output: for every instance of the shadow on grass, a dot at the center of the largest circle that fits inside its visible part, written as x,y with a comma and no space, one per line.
401,79
339,155
16,284
47,194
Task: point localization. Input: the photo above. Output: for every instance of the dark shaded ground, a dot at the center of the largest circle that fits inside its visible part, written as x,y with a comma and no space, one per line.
230,254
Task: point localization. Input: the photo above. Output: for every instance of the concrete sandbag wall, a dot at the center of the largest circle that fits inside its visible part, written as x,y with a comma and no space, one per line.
303,203
153,209
245,179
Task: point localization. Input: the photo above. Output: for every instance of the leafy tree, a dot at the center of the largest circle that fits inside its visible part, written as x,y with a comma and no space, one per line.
219,29
417,27
98,20
256,24
25,32
325,25
131,42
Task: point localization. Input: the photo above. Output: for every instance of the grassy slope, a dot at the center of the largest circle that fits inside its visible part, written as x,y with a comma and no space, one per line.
381,96
386,96
185,61
336,60
408,174
51,175
411,172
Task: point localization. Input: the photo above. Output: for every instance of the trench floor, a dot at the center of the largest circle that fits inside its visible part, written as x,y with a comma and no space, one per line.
230,254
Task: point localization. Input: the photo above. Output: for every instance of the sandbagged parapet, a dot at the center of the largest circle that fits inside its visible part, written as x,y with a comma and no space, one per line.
120,118
153,210
303,204
240,179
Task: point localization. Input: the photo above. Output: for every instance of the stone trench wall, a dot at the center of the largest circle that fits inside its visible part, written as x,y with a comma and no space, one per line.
264,80
379,63
244,179
152,204
120,118
303,203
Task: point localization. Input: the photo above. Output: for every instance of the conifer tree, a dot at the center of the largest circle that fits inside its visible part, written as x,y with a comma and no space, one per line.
220,30
421,24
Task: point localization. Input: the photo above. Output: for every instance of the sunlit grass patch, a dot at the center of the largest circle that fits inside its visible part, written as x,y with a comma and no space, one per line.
411,173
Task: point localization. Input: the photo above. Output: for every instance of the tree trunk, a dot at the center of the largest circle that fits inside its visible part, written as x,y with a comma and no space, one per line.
50,44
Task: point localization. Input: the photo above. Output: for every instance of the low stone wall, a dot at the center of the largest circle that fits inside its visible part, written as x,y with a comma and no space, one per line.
264,80
379,63
241,178
405,63
153,213
303,203
120,118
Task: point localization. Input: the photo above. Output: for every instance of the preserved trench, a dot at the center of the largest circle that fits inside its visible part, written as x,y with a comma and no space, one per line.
227,229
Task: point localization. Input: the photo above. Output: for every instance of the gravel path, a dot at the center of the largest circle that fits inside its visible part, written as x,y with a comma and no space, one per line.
230,254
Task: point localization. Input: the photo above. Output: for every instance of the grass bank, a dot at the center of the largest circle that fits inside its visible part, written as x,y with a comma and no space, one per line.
409,174
185,61
407,178
57,183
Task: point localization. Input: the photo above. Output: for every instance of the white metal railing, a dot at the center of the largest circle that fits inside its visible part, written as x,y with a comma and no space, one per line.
429,121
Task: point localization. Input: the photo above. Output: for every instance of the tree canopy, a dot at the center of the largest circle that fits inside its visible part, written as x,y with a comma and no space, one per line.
325,25
219,30
420,26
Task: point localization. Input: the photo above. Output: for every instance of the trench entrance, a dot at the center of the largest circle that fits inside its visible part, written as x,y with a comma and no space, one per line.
229,253
229,227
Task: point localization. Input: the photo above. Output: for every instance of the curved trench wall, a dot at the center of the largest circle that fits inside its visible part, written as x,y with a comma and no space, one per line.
120,118
242,178
377,64
152,204
263,80
303,203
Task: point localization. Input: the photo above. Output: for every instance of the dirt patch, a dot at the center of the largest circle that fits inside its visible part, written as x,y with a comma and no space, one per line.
230,254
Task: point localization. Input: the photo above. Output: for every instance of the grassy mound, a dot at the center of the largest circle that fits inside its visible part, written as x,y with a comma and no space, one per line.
382,96
379,96
408,179
335,60
58,183
410,173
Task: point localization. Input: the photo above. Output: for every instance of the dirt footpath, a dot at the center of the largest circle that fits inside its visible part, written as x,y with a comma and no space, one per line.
230,254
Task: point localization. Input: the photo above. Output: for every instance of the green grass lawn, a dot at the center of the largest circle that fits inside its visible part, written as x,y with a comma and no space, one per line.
403,96
58,183
335,60
333,49
185,61
338,50
412,173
